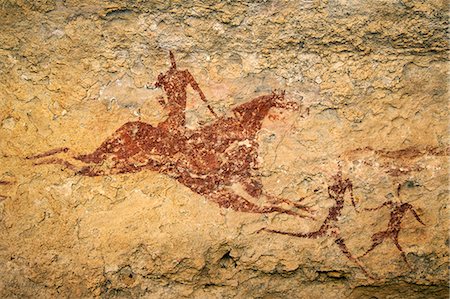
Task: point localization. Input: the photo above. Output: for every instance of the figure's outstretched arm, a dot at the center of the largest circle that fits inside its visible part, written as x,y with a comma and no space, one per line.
387,203
416,216
197,88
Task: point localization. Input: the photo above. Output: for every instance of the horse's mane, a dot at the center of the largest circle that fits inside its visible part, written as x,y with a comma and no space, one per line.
256,103
244,121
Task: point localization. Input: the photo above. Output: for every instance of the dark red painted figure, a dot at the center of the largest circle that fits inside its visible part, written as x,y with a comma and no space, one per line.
398,211
329,227
174,83
214,158
209,160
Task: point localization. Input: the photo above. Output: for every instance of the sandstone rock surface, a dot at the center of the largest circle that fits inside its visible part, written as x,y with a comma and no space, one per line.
370,81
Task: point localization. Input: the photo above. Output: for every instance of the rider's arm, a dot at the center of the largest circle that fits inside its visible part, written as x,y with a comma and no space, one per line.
195,86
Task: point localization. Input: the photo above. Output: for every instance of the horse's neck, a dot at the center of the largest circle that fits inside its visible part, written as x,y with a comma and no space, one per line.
252,114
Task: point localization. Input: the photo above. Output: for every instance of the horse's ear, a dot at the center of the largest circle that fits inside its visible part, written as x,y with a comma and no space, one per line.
172,60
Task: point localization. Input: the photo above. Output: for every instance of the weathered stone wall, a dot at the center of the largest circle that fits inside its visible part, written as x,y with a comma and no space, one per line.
370,82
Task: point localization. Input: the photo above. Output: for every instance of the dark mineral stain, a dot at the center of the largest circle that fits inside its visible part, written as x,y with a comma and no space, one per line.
208,160
406,153
117,13
400,162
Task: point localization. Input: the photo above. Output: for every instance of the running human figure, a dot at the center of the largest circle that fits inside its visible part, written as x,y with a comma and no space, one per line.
330,225
398,211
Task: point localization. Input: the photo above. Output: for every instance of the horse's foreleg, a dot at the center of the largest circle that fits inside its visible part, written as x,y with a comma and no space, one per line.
254,188
279,200
228,199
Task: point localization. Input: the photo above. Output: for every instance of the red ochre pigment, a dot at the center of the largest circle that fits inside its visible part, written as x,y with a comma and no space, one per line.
208,160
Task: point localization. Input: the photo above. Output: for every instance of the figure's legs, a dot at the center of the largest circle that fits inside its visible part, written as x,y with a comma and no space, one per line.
253,187
397,244
377,239
341,244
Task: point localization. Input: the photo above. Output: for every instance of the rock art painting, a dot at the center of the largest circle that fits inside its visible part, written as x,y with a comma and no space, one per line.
208,160
212,159
398,210
330,226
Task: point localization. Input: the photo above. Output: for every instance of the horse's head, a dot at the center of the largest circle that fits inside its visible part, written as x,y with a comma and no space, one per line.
279,101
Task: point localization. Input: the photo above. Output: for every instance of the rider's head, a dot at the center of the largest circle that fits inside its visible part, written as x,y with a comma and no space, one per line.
164,79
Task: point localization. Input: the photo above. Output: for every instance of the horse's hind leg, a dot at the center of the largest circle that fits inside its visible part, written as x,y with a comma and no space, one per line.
90,170
279,200
59,161
99,154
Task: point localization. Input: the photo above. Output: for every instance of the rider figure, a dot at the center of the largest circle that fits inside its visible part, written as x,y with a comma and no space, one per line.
174,82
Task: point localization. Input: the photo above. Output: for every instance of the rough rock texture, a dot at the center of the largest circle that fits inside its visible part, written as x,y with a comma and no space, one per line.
370,82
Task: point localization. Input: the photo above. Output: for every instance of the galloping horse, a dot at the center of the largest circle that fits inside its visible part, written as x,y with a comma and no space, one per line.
210,160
